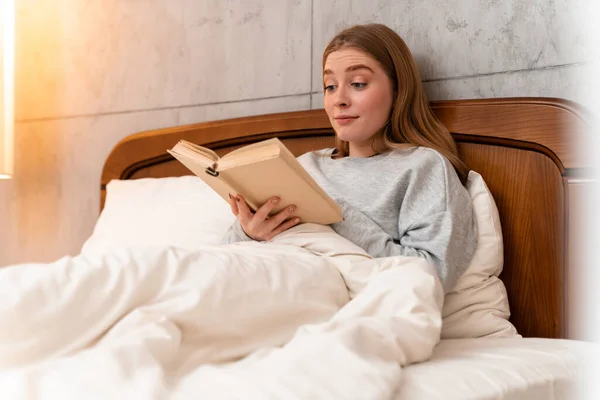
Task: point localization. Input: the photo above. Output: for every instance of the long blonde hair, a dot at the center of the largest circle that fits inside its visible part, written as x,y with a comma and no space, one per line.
411,120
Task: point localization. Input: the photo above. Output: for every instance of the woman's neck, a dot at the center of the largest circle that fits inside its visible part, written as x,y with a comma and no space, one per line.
361,151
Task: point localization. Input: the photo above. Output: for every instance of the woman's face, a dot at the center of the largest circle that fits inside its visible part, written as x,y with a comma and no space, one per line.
358,98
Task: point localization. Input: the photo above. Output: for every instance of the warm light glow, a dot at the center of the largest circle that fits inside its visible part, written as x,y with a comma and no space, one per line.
7,95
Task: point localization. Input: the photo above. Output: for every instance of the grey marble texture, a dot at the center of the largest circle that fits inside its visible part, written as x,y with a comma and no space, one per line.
566,82
453,39
100,56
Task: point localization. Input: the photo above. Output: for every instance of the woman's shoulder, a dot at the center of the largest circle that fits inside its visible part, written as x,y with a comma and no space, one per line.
420,156
313,160
316,154
426,164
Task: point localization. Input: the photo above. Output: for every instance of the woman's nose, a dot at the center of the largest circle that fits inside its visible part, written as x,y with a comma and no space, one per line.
341,97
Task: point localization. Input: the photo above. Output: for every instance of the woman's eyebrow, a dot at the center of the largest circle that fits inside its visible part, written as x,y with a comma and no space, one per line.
350,69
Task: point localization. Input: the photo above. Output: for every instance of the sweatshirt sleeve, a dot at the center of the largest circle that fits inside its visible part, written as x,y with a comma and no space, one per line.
235,233
436,222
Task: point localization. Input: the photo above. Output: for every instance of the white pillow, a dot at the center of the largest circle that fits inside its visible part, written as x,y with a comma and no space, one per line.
477,305
181,212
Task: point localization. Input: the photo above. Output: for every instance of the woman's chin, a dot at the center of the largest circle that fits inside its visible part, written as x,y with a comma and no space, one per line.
345,134
351,138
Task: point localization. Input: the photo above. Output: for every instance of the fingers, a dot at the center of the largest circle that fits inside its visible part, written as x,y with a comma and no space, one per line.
233,204
245,213
258,225
285,226
281,216
263,212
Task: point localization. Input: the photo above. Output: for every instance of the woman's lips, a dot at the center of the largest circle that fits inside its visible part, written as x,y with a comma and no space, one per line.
345,120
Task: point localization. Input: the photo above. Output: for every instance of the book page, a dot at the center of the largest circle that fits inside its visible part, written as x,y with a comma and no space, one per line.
192,151
263,143
251,156
257,151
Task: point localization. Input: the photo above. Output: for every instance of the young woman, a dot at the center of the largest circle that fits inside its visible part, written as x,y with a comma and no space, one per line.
395,169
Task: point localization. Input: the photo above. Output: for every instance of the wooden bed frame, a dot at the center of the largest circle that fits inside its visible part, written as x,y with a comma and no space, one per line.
527,150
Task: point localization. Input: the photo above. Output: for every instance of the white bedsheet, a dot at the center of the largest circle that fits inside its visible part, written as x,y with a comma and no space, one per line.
308,317
507,369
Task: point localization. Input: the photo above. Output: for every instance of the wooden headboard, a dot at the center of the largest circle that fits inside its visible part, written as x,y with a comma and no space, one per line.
527,150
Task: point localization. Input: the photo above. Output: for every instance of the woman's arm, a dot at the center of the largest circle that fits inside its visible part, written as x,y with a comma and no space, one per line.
235,234
435,222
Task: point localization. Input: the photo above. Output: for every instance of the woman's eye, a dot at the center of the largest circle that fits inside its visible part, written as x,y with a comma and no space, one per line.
329,88
359,85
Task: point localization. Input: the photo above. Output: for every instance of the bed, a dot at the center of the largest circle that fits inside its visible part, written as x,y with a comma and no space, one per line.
527,153
515,143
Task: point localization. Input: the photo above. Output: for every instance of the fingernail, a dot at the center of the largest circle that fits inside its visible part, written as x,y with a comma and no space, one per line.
291,209
230,196
237,198
275,200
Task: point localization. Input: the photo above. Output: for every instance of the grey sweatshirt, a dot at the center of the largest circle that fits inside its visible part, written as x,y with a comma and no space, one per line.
407,202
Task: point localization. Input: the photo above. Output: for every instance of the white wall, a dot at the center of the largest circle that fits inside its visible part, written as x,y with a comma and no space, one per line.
92,72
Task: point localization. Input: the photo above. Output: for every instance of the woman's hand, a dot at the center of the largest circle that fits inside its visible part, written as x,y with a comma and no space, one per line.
259,226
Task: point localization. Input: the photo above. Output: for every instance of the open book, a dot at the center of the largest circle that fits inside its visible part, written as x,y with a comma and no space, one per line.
258,172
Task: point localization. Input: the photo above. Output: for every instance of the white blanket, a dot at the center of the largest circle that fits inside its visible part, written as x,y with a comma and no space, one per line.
306,316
